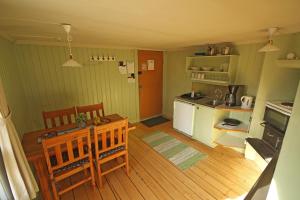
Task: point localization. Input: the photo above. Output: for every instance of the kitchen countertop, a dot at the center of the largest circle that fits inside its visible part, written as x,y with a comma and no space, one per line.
203,101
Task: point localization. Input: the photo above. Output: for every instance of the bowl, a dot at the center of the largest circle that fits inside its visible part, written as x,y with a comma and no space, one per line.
206,68
194,68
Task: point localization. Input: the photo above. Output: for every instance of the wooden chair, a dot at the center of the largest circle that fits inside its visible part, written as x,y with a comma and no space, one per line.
111,142
90,110
67,155
59,119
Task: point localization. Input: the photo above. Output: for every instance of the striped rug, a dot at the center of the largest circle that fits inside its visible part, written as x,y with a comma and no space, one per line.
180,154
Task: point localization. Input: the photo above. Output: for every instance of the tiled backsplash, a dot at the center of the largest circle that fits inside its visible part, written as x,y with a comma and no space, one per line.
209,90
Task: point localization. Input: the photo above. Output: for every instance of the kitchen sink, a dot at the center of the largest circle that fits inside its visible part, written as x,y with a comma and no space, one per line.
196,96
214,103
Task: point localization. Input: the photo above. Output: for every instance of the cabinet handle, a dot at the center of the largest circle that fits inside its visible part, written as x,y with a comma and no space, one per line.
277,142
269,134
263,124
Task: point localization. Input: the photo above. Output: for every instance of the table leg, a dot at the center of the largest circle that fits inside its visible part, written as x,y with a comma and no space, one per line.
42,175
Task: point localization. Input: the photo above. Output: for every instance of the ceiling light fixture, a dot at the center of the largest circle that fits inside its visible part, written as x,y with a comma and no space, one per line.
270,47
71,62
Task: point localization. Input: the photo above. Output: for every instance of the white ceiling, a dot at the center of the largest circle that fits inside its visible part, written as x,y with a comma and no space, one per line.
146,24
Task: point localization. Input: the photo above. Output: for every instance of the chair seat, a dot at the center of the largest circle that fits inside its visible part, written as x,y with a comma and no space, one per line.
110,152
78,163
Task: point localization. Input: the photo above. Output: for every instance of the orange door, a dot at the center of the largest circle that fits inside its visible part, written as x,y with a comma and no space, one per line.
150,83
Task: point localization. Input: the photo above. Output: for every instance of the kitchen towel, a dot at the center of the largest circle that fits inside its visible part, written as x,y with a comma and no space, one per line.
180,154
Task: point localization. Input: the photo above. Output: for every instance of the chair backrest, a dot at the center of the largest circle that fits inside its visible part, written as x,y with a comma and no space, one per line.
66,149
59,118
110,136
90,110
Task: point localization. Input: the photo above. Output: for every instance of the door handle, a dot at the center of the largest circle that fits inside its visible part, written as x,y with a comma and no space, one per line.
140,87
263,124
269,134
277,142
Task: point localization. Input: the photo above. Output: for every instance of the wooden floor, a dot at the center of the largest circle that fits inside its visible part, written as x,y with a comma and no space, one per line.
223,174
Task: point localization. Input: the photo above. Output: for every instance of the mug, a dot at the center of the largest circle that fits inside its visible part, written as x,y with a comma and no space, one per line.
246,102
226,50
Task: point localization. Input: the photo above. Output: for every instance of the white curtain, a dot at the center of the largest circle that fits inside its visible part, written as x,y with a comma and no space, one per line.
20,177
5,191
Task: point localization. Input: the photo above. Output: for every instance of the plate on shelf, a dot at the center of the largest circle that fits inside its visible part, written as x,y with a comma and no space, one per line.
231,122
206,68
194,68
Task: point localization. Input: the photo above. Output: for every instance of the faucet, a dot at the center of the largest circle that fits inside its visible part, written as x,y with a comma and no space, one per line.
218,94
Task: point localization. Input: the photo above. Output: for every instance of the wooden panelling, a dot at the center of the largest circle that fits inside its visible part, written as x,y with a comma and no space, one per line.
12,85
49,86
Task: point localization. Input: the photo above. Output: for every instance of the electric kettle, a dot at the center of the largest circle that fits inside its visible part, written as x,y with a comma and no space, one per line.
246,102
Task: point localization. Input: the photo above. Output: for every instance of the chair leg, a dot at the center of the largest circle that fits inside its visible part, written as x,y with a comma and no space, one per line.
85,172
92,173
99,175
127,164
55,195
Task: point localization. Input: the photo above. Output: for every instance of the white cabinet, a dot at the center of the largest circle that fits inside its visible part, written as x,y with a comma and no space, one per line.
203,124
204,121
183,118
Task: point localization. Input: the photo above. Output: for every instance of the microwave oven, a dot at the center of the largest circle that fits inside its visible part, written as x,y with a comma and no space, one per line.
277,116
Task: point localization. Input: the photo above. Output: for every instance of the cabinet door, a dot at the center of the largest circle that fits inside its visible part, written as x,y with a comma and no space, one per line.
183,119
203,125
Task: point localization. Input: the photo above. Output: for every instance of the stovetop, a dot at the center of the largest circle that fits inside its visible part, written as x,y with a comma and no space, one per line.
285,106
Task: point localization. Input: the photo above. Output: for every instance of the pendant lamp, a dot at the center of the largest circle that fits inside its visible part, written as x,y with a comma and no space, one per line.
270,47
71,62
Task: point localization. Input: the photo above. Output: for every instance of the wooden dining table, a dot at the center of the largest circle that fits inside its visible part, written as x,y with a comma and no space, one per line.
35,154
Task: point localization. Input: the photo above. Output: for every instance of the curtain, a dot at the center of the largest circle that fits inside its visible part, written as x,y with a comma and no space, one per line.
20,177
5,191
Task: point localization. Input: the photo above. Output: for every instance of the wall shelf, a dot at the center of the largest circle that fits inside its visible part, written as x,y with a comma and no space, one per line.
211,81
288,63
214,72
223,69
216,56
231,141
233,108
244,128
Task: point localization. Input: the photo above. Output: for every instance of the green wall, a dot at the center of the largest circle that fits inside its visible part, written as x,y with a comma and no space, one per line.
249,67
264,79
177,81
35,81
49,86
275,83
12,85
286,179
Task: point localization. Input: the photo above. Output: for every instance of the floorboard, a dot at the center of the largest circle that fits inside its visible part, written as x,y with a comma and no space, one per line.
224,174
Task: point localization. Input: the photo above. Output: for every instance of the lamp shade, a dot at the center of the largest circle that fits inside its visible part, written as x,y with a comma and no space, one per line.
269,47
71,63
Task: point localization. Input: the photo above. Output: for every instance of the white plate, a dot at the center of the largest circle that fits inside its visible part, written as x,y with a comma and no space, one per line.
206,68
194,68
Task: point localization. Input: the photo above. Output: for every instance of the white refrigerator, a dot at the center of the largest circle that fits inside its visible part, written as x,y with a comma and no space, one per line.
183,117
